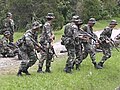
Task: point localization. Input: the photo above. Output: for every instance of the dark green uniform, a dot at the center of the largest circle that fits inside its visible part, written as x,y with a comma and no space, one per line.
46,40
105,43
29,55
28,48
8,25
88,44
5,48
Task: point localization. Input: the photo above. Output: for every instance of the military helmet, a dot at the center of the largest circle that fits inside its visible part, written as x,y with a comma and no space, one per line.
50,15
76,18
36,25
7,33
92,20
113,22
9,14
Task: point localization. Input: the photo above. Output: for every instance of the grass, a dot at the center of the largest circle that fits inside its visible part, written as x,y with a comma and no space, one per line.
88,78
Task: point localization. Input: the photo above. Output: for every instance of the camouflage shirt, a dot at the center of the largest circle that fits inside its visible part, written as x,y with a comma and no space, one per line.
71,30
89,30
46,33
29,44
8,25
107,32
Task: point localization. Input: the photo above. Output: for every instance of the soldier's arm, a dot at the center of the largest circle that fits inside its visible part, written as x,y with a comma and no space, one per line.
29,42
84,28
103,35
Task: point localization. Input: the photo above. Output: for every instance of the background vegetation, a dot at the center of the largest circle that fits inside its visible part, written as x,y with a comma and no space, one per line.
26,11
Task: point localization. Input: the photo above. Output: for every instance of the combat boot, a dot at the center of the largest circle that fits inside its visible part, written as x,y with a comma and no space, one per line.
25,70
97,66
19,73
48,70
100,64
40,70
68,70
77,66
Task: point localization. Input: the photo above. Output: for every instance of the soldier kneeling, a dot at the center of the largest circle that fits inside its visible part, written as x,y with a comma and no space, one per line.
5,49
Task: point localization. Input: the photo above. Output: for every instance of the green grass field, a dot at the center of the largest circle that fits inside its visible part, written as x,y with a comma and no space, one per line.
88,78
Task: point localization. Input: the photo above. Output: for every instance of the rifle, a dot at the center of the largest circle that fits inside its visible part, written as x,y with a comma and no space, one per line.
36,44
112,42
87,34
63,51
54,52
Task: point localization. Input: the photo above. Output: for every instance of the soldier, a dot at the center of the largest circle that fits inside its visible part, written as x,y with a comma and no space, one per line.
28,47
105,38
117,40
88,46
78,42
8,25
5,48
71,42
46,40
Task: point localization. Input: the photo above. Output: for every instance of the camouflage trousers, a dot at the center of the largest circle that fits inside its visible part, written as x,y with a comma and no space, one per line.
78,52
46,57
71,55
88,49
106,54
28,59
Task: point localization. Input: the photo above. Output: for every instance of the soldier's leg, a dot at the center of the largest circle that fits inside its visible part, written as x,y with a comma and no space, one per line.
48,62
85,51
32,59
22,67
78,56
41,62
107,55
92,56
70,59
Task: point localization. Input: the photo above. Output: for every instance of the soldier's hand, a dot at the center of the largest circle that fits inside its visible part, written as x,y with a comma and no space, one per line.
107,41
37,48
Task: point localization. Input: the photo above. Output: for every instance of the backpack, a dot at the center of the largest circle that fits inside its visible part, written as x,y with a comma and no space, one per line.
65,40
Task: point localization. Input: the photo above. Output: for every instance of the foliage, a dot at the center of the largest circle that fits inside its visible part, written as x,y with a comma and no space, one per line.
27,11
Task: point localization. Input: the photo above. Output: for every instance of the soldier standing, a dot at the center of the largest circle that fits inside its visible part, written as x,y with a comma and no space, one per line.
105,38
8,25
78,43
28,48
88,46
72,43
46,40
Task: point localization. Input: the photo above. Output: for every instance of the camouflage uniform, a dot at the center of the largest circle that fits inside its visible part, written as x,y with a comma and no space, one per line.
46,40
8,25
117,40
104,43
72,44
28,51
5,50
88,46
